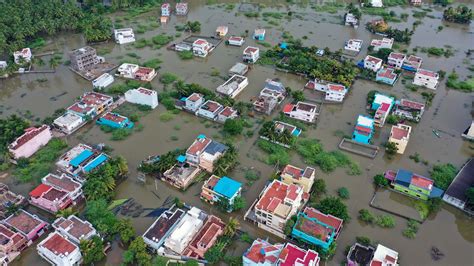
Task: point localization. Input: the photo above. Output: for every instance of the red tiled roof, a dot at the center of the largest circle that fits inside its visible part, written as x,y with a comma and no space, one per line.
250,50
373,60
384,107
198,146
29,134
114,117
145,91
288,108
236,38
79,228
397,56
293,171
211,106
362,129
39,190
275,194
194,97
422,182
336,87
292,192
399,133
80,109
412,104
387,73
54,194
375,263
227,111
292,255
144,71
256,255
58,244
200,42
414,59
62,182
324,218
24,222
427,73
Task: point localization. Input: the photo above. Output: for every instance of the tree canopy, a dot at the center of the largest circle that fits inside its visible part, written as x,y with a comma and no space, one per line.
10,127
334,206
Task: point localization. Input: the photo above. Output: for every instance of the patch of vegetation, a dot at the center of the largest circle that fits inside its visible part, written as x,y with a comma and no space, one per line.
233,127
454,83
277,155
443,175
120,134
428,96
460,14
334,206
153,63
381,181
168,78
384,221
269,131
411,230
11,128
185,55
167,116
343,193
331,7
161,40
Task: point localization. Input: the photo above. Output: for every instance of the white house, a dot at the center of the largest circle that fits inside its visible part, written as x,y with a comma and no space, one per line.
221,31
202,48
68,122
103,81
334,92
251,54
24,54
142,96
353,45
236,40
351,20
384,43
127,70
123,36
396,59
302,111
233,86
209,109
227,113
372,63
181,9
185,230
30,142
165,10
376,3
58,250
384,256
193,102
74,228
426,78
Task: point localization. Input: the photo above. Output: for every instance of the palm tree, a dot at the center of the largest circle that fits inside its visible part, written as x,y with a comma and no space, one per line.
231,227
53,63
66,212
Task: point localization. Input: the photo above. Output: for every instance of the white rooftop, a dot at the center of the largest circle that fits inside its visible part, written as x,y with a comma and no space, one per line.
365,121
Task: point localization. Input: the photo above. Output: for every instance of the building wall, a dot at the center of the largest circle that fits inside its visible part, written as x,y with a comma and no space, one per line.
51,205
73,258
32,146
361,138
304,116
306,183
133,96
410,192
311,239
427,82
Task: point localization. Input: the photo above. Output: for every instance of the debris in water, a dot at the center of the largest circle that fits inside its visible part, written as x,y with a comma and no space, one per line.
436,254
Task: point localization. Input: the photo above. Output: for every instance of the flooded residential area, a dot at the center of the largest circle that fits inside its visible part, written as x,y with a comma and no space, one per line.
339,180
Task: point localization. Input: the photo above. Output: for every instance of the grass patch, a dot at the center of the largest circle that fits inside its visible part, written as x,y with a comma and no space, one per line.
185,55
331,8
167,116
277,155
153,63
411,230
168,78
453,82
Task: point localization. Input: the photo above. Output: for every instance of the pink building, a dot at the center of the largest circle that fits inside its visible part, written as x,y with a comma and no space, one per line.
11,243
66,183
30,142
205,238
50,198
292,255
28,224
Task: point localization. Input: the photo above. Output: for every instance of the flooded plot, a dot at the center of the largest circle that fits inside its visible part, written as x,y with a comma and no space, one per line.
396,203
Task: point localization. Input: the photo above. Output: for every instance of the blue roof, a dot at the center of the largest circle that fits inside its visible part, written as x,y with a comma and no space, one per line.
181,158
183,98
201,136
227,187
215,147
96,162
81,157
436,192
404,176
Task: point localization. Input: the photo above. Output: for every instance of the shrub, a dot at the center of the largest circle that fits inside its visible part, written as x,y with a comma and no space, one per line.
411,230
443,175
333,206
233,127
153,63
380,180
343,193
366,216
363,240
168,78
392,119
120,134
185,55
385,221
167,116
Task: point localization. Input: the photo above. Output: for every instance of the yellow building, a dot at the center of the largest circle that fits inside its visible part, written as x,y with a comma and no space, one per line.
294,175
400,134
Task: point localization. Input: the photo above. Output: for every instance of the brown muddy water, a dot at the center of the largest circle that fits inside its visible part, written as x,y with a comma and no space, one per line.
450,230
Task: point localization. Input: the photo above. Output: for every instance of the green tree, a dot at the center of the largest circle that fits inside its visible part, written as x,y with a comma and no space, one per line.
298,96
137,248
470,194
334,206
289,227
443,175
102,218
92,250
318,189
11,128
233,126
231,227
125,230
380,180
239,203
391,148
214,254
366,216
343,193
66,212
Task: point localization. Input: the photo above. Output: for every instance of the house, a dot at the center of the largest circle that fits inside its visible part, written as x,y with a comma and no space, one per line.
81,159
334,92
372,63
123,36
181,174
8,198
262,253
205,238
156,234
385,43
280,127
316,228
114,120
146,74
426,78
50,198
382,105
179,47
193,102
363,130
182,234
22,56
210,110
400,135
202,48
142,96
360,255
165,10
218,188
303,111
410,110
103,81
30,142
353,45
277,203
384,256
59,250
275,86
83,58
227,113
3,65
386,75
414,185
251,54
351,20
469,132
233,86
181,9
74,228
127,70
221,31
65,183
259,34
412,63
194,151
212,152
396,60
69,122
268,100
376,3
11,244
28,224
292,255
295,175
238,69
456,192
91,104
416,2
236,41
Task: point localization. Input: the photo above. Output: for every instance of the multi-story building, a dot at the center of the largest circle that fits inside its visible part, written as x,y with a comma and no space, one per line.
103,81
292,255
251,54
205,238
413,184
334,92
123,36
9,199
233,86
372,63
217,188
303,111
69,122
295,175
81,160
184,232
227,113
410,110
83,58
396,60
204,152
210,109
259,34
384,256
165,10
193,102
156,234
202,47
382,105
181,174
114,120
91,104
351,20
381,44
426,78
30,142
400,135
28,224
276,204
142,96
127,70
236,41
262,253
50,198
59,250
353,45
412,63
74,228
363,130
386,75
11,244
181,9
456,194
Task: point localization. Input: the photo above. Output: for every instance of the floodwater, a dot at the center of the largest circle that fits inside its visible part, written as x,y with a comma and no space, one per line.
450,230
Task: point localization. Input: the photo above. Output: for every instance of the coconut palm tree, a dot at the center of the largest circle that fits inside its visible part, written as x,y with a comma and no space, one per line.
66,212
231,227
